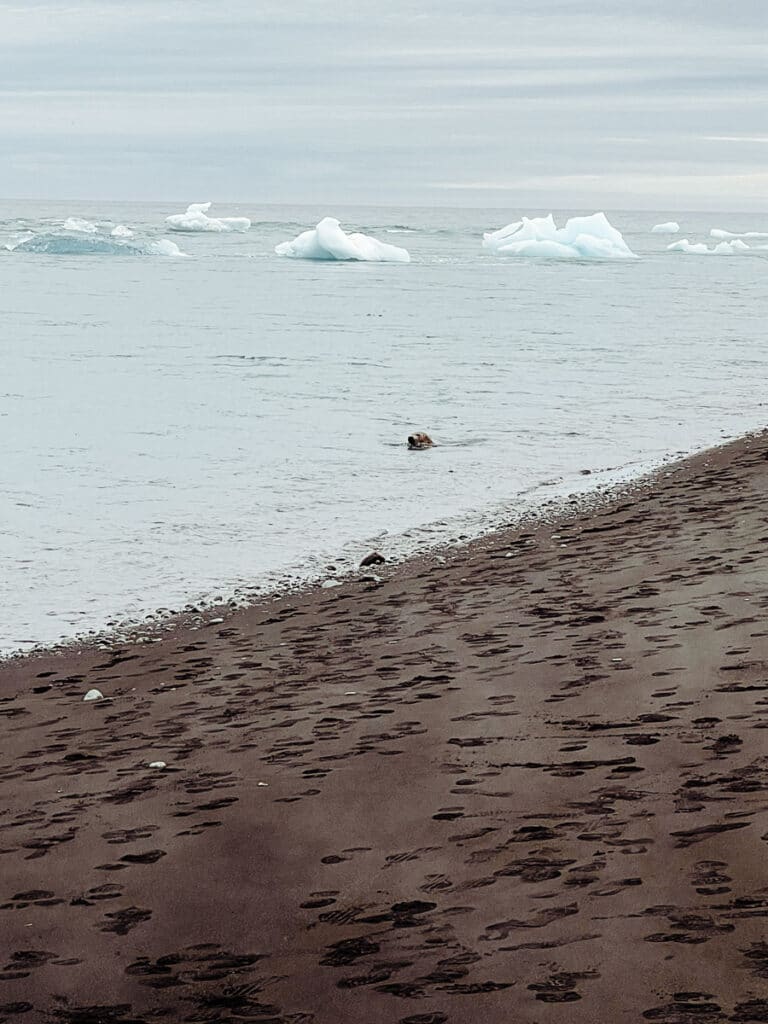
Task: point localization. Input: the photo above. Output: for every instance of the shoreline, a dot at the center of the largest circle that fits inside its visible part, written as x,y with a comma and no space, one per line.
610,485
531,774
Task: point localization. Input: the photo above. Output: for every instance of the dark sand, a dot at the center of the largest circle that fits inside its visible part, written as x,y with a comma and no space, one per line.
545,799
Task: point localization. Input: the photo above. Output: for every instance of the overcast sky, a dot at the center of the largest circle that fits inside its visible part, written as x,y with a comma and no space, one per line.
556,103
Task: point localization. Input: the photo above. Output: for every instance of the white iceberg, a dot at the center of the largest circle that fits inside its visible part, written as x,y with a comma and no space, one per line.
121,231
719,233
582,238
165,247
78,224
669,227
93,695
196,219
702,249
328,242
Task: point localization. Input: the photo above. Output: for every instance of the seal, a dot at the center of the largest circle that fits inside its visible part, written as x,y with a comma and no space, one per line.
417,442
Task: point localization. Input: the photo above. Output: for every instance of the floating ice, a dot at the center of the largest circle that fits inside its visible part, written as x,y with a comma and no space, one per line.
165,247
719,233
78,224
157,764
702,249
121,231
94,695
79,245
582,238
71,245
669,227
328,242
196,219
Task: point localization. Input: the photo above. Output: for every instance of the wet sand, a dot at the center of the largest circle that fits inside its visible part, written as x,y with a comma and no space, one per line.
528,784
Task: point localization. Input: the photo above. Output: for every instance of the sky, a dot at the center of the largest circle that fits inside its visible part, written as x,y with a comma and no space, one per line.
559,104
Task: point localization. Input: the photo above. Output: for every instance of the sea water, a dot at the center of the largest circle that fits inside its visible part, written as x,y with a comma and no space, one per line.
175,429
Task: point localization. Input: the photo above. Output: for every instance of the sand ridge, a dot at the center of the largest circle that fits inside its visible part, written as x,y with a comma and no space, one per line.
528,784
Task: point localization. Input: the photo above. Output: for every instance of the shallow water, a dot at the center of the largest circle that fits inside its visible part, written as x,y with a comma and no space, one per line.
173,428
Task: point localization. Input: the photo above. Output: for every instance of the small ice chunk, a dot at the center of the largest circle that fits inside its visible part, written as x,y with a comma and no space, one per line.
78,224
719,233
196,219
165,247
121,231
590,238
157,764
669,227
327,241
702,249
94,695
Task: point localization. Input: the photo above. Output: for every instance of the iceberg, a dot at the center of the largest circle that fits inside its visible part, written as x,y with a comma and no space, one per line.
121,231
165,247
582,238
669,227
719,233
71,245
79,245
327,241
78,224
196,219
702,249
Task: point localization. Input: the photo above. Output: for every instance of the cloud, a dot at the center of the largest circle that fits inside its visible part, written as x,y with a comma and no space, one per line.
374,101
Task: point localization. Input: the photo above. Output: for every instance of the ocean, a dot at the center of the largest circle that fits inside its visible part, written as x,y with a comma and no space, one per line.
177,430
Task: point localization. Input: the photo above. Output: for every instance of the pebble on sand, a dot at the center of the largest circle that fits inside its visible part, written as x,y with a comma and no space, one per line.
157,764
94,695
373,559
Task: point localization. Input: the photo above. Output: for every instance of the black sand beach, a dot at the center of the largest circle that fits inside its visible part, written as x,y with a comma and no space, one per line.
528,784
